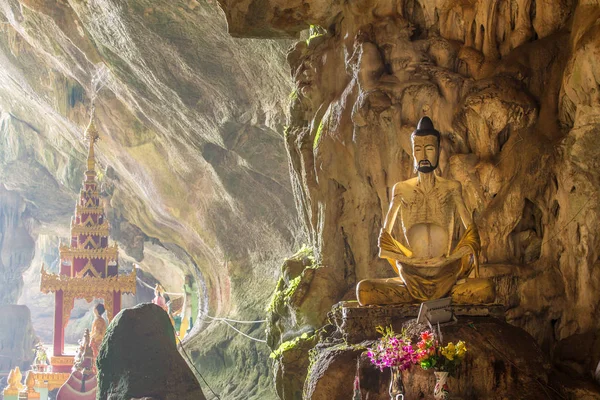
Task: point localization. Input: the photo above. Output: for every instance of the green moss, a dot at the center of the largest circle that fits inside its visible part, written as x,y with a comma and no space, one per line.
292,286
305,251
291,344
284,292
314,32
277,298
294,94
318,135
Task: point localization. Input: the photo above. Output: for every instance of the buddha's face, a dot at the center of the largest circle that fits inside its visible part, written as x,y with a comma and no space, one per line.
425,153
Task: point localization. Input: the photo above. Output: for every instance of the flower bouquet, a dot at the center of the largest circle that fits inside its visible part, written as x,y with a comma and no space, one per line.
444,360
396,352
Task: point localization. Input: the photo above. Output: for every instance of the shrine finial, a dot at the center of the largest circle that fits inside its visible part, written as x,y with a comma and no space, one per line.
91,134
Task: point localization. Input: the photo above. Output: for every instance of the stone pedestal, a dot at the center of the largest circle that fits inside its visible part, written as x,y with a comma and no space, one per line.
10,394
42,389
357,323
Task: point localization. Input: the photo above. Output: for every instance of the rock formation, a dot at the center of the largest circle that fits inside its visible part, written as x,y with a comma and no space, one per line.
17,338
512,89
139,358
16,244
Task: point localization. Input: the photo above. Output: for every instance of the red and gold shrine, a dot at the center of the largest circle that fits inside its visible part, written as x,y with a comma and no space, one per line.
89,266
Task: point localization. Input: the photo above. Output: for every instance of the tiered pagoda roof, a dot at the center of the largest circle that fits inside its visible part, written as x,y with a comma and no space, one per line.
88,264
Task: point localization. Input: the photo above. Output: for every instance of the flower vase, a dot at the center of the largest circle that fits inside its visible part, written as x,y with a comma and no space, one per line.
441,391
396,387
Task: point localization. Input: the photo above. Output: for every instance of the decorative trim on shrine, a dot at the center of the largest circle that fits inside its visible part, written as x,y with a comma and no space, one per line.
89,210
105,253
55,380
99,230
88,287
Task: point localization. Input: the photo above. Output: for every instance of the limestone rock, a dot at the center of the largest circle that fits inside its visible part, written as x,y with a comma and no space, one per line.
291,367
17,338
139,358
16,244
502,361
332,369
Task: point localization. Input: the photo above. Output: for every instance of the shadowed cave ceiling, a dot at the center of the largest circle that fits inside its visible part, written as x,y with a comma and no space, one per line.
200,134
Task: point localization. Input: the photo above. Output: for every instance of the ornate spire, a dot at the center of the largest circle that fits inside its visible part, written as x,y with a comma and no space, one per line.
91,135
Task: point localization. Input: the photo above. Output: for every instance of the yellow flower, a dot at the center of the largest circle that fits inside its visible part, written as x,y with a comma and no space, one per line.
451,348
449,351
461,349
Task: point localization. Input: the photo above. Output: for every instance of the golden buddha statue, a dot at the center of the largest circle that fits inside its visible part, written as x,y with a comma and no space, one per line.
428,267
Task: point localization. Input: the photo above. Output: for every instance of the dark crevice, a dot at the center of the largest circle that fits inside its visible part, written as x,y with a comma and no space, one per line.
526,237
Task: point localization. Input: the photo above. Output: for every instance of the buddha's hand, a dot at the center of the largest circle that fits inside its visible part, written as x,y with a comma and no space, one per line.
388,245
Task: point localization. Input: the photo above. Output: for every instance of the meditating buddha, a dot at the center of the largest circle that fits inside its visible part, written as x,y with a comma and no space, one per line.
427,265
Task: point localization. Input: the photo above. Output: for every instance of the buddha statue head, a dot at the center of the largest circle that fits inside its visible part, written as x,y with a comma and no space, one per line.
426,146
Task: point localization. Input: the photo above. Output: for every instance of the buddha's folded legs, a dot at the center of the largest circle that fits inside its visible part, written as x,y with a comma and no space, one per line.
382,291
394,291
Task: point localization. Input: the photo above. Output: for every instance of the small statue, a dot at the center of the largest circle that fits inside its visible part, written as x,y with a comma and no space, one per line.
19,379
40,363
82,382
98,329
84,358
159,297
187,321
170,311
12,382
427,266
30,383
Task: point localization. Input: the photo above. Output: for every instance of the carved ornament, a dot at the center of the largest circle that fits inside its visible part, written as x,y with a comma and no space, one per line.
101,230
107,253
87,287
89,210
55,379
62,360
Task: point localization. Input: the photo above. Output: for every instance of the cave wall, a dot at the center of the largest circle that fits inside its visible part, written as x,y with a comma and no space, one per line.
192,161
16,244
512,86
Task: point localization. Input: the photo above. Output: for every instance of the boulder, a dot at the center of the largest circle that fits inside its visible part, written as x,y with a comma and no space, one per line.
138,358
16,337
